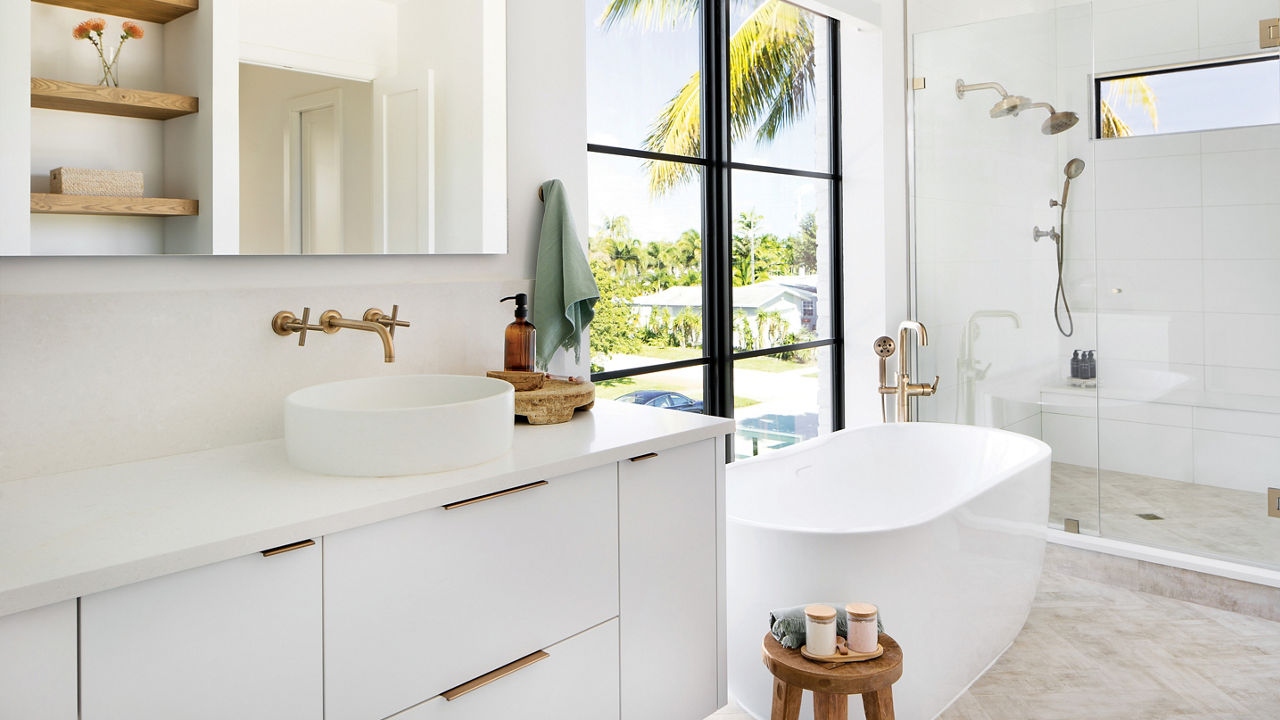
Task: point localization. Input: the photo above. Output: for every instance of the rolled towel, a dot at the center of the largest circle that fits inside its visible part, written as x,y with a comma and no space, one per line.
787,625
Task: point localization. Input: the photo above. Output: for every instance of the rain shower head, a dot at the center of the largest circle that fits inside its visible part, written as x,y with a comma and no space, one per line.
1009,105
1014,104
1058,121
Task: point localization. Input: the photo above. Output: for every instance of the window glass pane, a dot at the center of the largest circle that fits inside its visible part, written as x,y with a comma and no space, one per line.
643,75
675,390
781,260
646,254
780,73
1190,99
780,400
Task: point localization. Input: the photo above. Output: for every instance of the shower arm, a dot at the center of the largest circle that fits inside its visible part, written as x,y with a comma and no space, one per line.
962,88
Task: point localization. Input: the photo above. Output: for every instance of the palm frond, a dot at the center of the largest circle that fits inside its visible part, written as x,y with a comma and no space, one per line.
650,14
772,76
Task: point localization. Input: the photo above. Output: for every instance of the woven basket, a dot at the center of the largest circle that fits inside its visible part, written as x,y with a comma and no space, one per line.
78,181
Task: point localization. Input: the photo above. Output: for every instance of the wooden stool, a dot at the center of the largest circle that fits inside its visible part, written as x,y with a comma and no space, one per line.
832,683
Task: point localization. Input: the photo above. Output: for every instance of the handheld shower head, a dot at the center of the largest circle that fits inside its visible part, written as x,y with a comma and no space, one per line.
1074,167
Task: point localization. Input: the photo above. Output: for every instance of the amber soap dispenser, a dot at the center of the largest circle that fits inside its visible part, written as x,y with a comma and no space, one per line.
519,338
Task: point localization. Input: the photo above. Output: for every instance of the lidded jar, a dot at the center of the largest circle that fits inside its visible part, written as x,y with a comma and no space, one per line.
820,629
863,637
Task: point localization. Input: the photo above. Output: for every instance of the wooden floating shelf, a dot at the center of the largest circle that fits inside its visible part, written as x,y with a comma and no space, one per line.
122,102
56,204
157,11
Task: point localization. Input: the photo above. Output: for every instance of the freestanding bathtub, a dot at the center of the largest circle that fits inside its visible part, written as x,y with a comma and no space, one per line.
941,526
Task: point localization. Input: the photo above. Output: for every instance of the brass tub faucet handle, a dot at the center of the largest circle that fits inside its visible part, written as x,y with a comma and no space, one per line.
285,322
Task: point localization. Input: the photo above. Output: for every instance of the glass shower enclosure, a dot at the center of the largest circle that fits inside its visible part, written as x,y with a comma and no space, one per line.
1136,329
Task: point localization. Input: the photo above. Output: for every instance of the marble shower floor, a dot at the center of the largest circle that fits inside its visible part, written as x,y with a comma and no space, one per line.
1091,650
1200,519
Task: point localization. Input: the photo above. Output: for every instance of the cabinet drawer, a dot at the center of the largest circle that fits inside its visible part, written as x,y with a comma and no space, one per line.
578,678
404,598
236,639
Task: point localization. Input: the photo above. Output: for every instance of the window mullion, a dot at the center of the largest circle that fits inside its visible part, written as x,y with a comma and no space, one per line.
717,219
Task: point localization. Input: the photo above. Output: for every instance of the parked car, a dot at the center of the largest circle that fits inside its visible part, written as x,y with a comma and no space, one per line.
663,399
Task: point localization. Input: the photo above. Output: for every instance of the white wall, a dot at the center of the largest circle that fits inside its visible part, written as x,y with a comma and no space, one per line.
265,95
111,359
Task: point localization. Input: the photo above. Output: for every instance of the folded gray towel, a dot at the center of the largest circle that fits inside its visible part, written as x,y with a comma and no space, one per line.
787,625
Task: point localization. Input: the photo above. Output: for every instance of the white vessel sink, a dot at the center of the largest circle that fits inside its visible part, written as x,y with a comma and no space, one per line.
398,425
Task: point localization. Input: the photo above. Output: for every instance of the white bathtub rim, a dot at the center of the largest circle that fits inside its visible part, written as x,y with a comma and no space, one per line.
1043,454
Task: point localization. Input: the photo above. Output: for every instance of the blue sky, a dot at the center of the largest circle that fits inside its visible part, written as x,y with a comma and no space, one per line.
631,74
1230,96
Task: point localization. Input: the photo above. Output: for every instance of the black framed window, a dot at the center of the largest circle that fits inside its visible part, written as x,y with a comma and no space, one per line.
714,211
1189,97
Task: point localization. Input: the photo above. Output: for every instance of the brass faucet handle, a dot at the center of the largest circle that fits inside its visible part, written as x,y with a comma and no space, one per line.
285,323
390,322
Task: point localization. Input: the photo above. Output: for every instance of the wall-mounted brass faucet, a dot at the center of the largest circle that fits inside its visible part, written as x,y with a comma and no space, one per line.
331,321
903,388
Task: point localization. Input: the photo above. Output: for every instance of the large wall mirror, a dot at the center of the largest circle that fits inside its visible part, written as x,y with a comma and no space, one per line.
319,127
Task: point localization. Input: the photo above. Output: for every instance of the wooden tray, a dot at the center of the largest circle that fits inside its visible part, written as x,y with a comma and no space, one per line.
555,402
851,657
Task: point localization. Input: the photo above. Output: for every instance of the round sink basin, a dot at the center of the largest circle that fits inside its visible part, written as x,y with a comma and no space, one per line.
398,425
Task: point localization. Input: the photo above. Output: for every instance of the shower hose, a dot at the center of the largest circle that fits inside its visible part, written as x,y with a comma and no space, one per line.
1060,297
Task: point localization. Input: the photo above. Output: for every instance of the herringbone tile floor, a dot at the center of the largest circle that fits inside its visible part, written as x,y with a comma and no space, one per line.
1091,651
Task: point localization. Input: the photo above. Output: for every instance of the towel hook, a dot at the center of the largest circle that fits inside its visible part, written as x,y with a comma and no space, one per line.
540,192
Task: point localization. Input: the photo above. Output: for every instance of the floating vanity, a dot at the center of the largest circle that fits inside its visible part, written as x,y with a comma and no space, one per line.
579,575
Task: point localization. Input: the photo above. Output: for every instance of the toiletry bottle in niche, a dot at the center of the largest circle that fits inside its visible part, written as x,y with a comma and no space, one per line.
520,335
1090,366
1075,365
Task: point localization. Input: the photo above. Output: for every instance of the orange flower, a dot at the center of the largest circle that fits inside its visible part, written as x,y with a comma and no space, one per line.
96,24
81,31
132,29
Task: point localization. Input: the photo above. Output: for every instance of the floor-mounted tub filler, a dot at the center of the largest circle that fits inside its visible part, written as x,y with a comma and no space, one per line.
941,526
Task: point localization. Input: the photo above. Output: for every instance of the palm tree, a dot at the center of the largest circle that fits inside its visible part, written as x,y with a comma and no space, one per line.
772,78
1131,90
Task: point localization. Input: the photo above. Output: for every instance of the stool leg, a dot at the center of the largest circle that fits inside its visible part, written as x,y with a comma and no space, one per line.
878,705
786,701
827,706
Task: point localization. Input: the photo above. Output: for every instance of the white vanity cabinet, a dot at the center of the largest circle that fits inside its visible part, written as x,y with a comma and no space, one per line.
421,603
574,679
236,639
595,547
667,508
38,663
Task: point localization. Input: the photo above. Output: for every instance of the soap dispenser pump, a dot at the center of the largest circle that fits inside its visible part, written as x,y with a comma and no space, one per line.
519,338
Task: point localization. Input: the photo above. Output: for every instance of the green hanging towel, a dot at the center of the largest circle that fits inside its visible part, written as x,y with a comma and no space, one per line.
564,291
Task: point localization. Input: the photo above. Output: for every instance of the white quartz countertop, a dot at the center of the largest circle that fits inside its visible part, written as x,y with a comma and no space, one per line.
72,534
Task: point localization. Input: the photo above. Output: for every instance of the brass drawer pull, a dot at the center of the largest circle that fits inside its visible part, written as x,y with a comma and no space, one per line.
492,495
505,670
286,548
645,456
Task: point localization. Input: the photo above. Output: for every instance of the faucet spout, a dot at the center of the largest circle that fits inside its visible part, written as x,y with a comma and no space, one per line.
332,321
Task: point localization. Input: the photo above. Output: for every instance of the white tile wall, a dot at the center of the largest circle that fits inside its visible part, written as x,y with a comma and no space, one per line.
1156,450
99,379
1237,461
